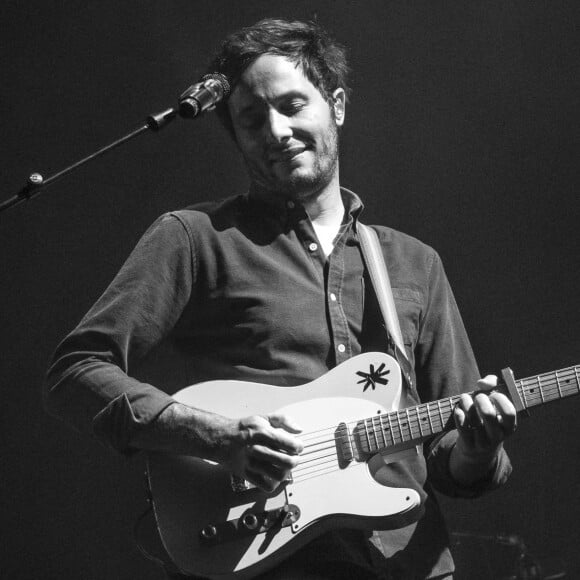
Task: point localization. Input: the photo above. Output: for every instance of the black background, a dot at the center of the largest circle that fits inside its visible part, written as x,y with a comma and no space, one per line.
462,131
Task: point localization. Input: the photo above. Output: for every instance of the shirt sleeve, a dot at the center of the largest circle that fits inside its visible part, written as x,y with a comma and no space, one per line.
87,384
440,477
445,366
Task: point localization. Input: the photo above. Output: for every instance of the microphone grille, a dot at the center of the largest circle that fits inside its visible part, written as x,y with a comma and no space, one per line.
222,80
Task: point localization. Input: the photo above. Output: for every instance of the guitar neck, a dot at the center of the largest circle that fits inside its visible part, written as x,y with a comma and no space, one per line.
414,424
548,387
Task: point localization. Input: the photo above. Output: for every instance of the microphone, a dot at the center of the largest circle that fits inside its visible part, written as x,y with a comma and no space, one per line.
204,95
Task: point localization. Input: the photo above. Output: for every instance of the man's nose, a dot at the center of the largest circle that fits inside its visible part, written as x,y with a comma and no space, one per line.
279,126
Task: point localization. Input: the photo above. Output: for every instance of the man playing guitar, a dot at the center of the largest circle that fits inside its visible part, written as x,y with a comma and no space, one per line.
270,287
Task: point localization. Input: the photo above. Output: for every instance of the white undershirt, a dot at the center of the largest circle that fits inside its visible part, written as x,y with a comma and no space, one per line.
326,235
328,216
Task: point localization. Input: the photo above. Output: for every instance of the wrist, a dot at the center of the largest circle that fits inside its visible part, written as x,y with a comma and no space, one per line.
468,466
184,430
474,456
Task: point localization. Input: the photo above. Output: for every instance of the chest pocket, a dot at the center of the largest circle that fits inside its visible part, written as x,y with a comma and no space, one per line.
409,305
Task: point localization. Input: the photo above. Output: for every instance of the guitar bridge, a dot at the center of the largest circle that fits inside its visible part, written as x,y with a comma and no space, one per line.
239,484
250,523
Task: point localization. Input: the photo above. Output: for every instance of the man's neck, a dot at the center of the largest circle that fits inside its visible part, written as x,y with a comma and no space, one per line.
323,206
326,207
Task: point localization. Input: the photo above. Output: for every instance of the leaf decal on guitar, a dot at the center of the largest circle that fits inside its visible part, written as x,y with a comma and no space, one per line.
373,377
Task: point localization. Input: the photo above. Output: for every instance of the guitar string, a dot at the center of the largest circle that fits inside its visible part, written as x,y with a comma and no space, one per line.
328,463
422,412
413,417
411,421
565,383
411,424
409,416
530,389
550,388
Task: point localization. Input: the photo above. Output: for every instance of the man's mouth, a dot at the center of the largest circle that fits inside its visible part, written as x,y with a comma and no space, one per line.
286,154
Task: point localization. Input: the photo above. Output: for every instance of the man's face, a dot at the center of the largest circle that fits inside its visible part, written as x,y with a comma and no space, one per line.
285,129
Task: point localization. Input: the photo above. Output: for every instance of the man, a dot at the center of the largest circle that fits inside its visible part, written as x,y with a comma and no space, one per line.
271,287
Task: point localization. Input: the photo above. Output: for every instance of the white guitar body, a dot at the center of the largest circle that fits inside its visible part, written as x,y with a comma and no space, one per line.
211,529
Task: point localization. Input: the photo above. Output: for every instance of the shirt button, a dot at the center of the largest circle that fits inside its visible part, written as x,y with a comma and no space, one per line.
341,348
333,296
290,205
313,247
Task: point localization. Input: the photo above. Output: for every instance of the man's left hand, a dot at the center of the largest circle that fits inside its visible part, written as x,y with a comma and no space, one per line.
484,420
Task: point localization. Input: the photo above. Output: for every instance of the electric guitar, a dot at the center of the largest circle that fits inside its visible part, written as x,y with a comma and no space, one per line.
218,526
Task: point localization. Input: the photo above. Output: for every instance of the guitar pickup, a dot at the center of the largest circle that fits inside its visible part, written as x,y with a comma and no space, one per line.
250,523
343,443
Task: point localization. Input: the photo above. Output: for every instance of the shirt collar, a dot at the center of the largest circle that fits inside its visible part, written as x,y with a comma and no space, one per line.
352,203
282,209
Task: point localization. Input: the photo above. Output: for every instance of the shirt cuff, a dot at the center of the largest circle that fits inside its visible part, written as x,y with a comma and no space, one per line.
442,480
116,424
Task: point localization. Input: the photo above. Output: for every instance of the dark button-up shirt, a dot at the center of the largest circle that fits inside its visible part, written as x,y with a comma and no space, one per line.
242,289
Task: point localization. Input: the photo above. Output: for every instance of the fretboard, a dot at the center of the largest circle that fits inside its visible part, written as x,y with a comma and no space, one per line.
414,424
549,386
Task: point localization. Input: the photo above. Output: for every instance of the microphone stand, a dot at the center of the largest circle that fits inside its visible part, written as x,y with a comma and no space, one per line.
37,183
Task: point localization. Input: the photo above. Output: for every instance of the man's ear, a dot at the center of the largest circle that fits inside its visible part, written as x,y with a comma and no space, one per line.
339,106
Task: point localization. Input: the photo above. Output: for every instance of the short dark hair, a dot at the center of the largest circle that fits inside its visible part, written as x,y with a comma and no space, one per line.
306,44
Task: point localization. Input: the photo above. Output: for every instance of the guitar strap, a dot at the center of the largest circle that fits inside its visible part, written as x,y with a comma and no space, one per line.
377,269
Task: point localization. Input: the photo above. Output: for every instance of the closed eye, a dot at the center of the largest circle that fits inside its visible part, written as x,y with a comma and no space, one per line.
292,108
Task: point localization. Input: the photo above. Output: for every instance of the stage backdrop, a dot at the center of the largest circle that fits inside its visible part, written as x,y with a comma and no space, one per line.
462,131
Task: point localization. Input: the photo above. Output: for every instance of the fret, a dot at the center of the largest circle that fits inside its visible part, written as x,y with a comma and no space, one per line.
454,401
555,392
451,408
367,435
380,427
570,384
541,388
377,447
399,427
538,390
401,424
574,388
430,416
531,389
440,414
391,428
418,411
522,392
447,403
558,385
380,418
387,429
409,424
429,419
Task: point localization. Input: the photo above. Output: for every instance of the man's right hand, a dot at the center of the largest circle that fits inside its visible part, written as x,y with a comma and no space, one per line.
263,449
